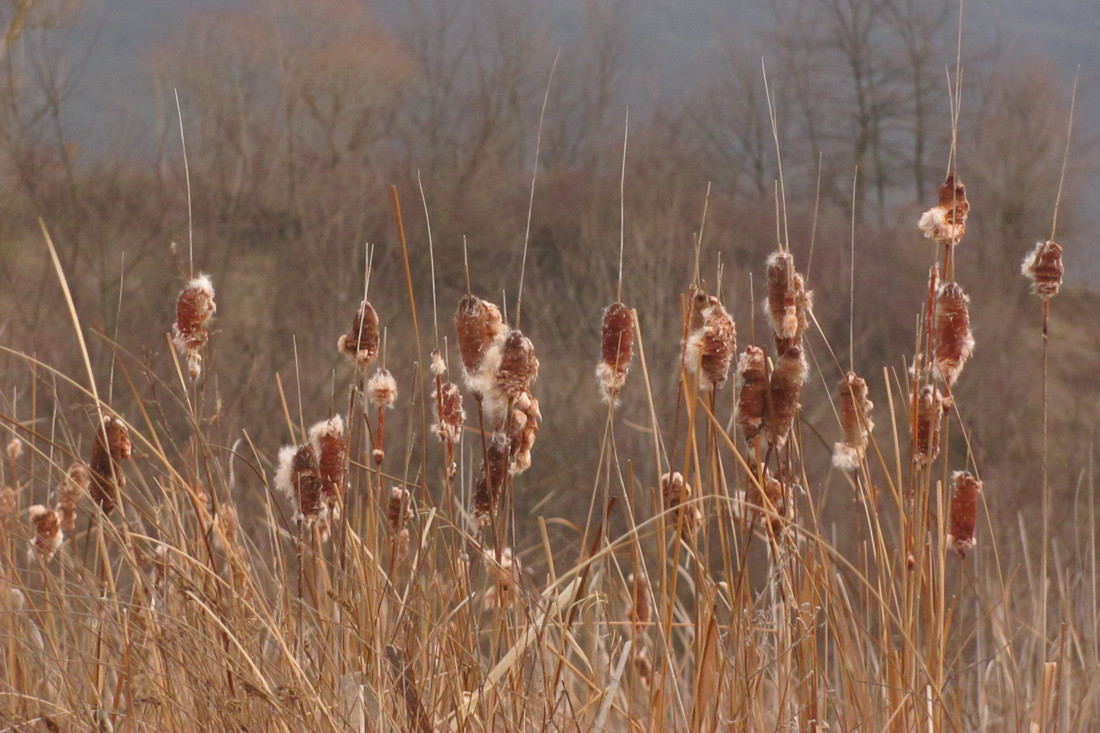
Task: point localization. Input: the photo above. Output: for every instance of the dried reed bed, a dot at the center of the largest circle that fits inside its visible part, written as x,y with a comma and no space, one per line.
365,578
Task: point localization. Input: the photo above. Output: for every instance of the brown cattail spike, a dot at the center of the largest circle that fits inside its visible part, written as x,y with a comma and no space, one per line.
964,512
326,439
478,324
360,344
953,340
676,493
855,420
451,416
770,499
786,389
300,479
1044,266
194,308
523,429
752,372
930,409
110,446
618,350
789,304
641,601
399,509
780,269
47,532
519,367
710,348
490,479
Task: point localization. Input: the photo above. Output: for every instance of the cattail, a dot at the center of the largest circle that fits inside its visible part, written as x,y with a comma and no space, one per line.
68,494
618,350
300,479
855,422
491,477
642,666
326,439
1044,266
106,477
710,348
771,497
930,409
479,326
194,308
946,222
360,344
14,450
676,493
47,532
506,571
953,340
382,389
752,372
398,513
7,505
641,600
519,367
523,430
789,303
786,388
450,414
964,512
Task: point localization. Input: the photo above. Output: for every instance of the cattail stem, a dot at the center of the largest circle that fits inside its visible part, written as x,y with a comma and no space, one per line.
1043,472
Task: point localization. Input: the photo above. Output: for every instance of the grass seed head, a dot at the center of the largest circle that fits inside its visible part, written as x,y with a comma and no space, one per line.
752,373
1043,265
964,512
47,532
326,439
194,309
110,446
953,340
855,421
361,343
787,380
617,351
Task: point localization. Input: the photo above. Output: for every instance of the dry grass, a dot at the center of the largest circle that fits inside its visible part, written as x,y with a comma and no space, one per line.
399,589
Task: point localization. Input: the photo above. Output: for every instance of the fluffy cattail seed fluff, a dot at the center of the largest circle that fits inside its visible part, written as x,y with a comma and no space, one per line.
382,388
753,375
946,222
786,389
47,531
360,344
194,308
439,367
964,511
299,478
1044,266
618,350
14,450
855,421
953,340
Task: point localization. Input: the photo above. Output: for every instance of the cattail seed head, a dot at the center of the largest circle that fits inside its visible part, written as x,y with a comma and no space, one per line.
451,415
523,430
505,573
964,511
399,509
194,308
930,409
770,499
7,505
68,494
710,348
110,446
382,389
491,477
14,450
299,478
780,269
787,380
855,421
1044,266
953,340
326,439
641,600
439,367
361,343
478,324
676,493
47,532
617,351
789,304
752,372
519,367
946,222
